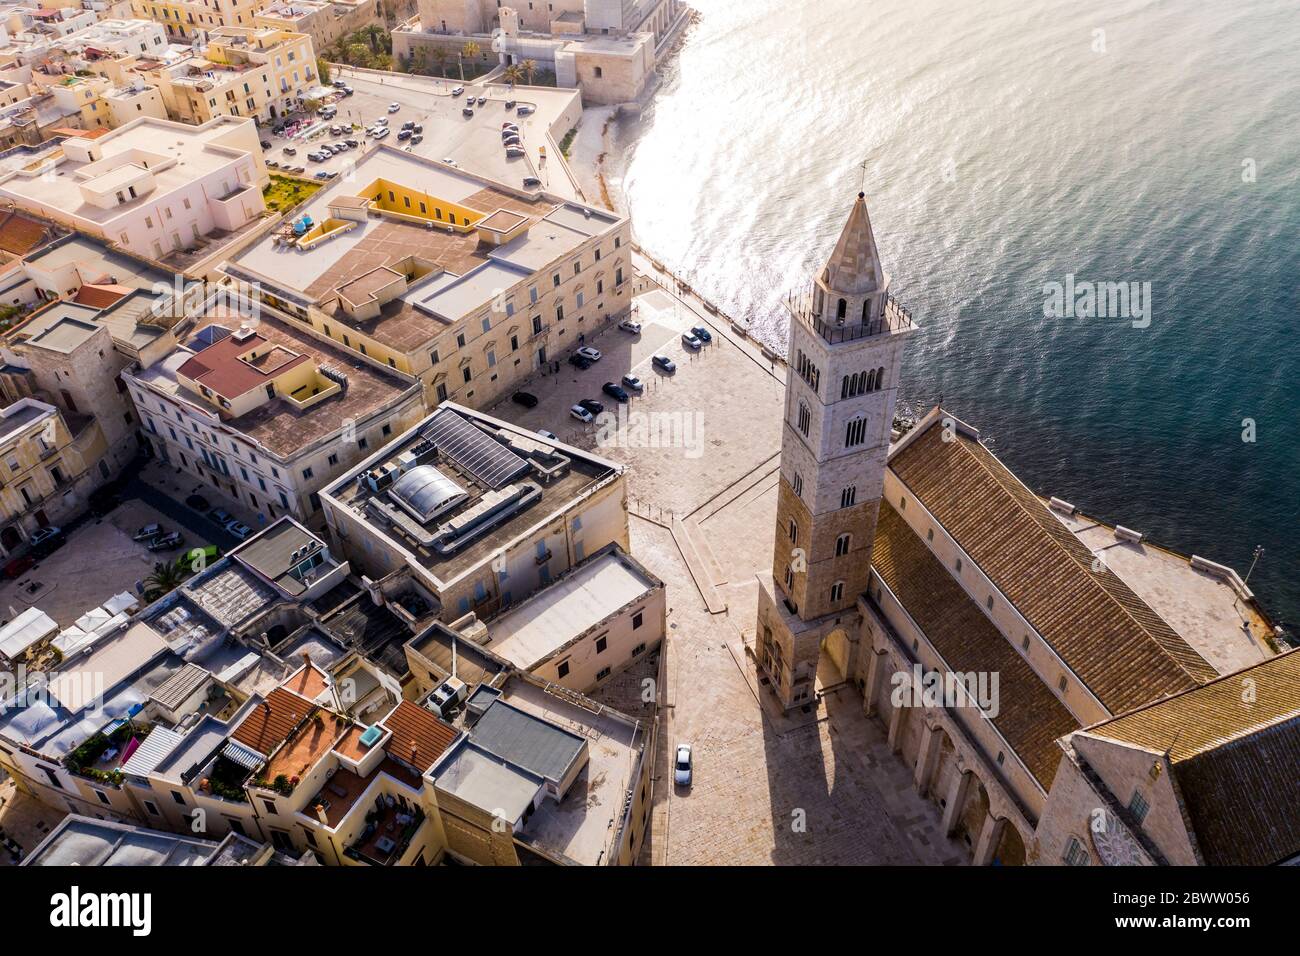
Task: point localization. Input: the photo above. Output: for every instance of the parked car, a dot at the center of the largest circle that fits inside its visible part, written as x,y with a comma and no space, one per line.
526,110
348,91
19,566
352,143
326,174
239,529
417,139
508,128
166,542
394,107
682,766
221,516
290,151
702,333
404,134
382,121
516,152
511,139
633,384
580,362
591,405
457,90
418,128
409,124
532,182
615,391
526,399
148,531
691,342
482,101
46,541
272,164
549,436
381,132
339,84
336,130
664,363
467,111
627,325
581,414
510,104
587,352
266,144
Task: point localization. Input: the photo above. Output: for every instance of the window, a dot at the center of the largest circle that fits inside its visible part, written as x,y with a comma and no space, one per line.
637,620
1062,684
638,650
837,591
929,534
988,602
307,473
562,669
602,673
789,577
1075,854
798,485
602,642
334,459
805,418
848,496
958,565
855,433
1024,645
103,797
1138,806
794,532
179,798
270,805
152,808
841,546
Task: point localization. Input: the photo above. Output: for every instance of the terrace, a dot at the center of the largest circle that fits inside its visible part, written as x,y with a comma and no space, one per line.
390,826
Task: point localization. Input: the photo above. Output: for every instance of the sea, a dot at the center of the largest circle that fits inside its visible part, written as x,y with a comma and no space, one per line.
1013,151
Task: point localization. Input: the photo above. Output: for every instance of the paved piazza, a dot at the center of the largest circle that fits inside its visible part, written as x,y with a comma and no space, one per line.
818,787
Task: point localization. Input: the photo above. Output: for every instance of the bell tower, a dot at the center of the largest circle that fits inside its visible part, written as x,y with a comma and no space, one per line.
846,346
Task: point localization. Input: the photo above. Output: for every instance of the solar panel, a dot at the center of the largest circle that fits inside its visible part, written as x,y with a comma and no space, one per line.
490,462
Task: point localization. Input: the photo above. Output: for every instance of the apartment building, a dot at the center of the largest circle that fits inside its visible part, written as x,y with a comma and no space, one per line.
256,72
183,19
322,20
152,187
482,513
468,284
49,464
267,413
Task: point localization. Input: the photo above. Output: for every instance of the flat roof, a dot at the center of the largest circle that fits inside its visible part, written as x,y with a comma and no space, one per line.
527,740
487,781
577,601
82,841
277,550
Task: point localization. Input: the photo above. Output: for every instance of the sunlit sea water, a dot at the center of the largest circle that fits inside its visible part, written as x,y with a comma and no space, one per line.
1004,150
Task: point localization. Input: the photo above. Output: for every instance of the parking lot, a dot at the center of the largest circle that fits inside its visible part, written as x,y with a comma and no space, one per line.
471,142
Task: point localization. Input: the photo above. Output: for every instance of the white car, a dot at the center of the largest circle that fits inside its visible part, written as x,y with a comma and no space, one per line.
627,325
682,766
548,435
381,132
633,384
581,414
394,107
590,354
691,342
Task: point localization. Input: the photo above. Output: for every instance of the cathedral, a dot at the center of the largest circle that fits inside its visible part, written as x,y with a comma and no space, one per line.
1065,691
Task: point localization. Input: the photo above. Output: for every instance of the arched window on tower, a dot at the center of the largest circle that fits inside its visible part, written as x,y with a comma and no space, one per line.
880,377
805,418
841,310
794,532
841,546
871,381
844,388
866,311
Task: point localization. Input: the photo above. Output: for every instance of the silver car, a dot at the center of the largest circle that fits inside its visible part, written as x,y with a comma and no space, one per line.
682,766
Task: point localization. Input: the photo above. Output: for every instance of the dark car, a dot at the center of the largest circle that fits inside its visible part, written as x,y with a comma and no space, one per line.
18,566
417,139
197,502
266,144
409,124
404,134
579,362
510,104
702,333
664,363
166,542
46,541
532,182
526,399
467,112
591,405
614,391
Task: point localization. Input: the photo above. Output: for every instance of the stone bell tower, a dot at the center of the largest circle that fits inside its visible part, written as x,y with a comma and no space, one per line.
846,345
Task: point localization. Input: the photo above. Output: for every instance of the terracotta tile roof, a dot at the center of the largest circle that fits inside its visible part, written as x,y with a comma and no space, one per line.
309,682
1235,758
221,369
272,721
1119,647
1030,717
101,296
419,738
20,235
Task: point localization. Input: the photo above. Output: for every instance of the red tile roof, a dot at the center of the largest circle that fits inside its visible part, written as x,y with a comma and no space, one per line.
272,721
419,738
220,368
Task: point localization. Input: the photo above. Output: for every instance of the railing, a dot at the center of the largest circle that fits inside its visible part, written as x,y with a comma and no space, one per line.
896,317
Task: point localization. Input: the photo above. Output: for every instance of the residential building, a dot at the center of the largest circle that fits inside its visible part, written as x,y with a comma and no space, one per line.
323,20
468,284
184,19
152,187
482,513
258,72
49,464
86,841
266,412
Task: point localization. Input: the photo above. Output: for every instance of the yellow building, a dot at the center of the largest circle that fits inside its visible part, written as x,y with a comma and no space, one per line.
49,463
243,71
182,19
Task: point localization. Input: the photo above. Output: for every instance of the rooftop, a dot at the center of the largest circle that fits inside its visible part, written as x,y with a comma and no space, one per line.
280,550
82,841
579,600
512,482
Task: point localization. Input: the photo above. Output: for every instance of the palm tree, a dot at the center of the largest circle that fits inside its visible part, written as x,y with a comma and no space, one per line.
166,577
439,56
373,34
513,74
530,67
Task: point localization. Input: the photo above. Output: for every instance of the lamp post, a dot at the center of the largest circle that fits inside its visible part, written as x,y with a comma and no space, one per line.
1259,553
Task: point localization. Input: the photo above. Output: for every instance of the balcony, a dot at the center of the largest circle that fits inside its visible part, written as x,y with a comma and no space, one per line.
895,319
389,828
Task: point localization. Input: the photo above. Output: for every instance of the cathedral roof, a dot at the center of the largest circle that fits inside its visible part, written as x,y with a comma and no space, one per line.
1121,649
1234,756
854,266
1030,717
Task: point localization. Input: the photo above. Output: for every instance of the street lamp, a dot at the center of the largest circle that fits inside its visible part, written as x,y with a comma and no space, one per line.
1259,553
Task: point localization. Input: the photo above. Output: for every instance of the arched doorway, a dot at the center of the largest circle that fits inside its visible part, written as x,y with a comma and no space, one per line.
1011,848
10,538
838,649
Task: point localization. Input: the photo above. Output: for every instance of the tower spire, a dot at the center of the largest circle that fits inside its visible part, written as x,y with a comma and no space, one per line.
854,264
